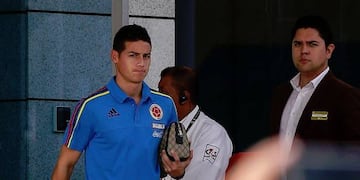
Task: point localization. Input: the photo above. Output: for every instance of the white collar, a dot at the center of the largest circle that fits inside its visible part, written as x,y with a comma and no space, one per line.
186,120
314,83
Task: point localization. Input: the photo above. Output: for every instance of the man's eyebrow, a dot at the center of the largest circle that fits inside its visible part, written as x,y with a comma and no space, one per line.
137,53
311,41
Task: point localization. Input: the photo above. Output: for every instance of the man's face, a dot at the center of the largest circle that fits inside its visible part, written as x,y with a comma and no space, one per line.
165,86
309,52
132,64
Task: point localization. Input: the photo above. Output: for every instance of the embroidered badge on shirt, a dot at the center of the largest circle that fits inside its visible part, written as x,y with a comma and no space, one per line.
211,153
319,115
156,111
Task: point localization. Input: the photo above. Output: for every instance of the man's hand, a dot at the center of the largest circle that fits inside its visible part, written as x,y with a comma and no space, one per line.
175,168
266,161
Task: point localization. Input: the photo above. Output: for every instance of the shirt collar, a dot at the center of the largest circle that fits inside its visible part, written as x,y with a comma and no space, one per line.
186,120
314,83
121,96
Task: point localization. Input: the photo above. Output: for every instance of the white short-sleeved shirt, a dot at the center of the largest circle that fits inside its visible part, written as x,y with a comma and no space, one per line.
211,145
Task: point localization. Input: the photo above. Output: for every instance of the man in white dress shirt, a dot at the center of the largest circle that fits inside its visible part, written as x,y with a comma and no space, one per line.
211,145
315,105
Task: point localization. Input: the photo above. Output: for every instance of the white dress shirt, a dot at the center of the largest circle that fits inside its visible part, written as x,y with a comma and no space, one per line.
294,108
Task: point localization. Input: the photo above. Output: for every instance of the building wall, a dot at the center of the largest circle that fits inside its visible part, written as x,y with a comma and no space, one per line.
158,17
53,53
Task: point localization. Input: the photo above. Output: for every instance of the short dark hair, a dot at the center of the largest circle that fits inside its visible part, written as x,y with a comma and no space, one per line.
316,22
130,33
183,79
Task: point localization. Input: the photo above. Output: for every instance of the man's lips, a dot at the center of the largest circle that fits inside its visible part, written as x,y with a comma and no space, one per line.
303,61
139,71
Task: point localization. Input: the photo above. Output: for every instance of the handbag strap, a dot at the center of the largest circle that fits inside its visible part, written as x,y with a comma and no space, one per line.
193,120
179,133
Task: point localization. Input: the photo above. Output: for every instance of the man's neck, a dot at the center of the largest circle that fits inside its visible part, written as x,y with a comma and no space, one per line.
133,90
190,107
306,77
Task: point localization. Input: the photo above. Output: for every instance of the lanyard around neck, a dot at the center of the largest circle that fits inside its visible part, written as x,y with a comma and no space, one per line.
193,120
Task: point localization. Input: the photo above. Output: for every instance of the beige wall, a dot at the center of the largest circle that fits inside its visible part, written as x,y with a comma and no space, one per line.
158,17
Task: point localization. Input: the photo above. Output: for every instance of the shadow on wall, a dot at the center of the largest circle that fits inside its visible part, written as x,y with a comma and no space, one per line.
236,82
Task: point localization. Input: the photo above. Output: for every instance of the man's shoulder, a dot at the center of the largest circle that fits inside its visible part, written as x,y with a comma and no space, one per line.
282,89
332,83
210,125
93,97
284,86
158,95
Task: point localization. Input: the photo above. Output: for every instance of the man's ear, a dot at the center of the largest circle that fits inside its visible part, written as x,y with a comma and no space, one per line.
329,50
182,97
187,95
114,55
